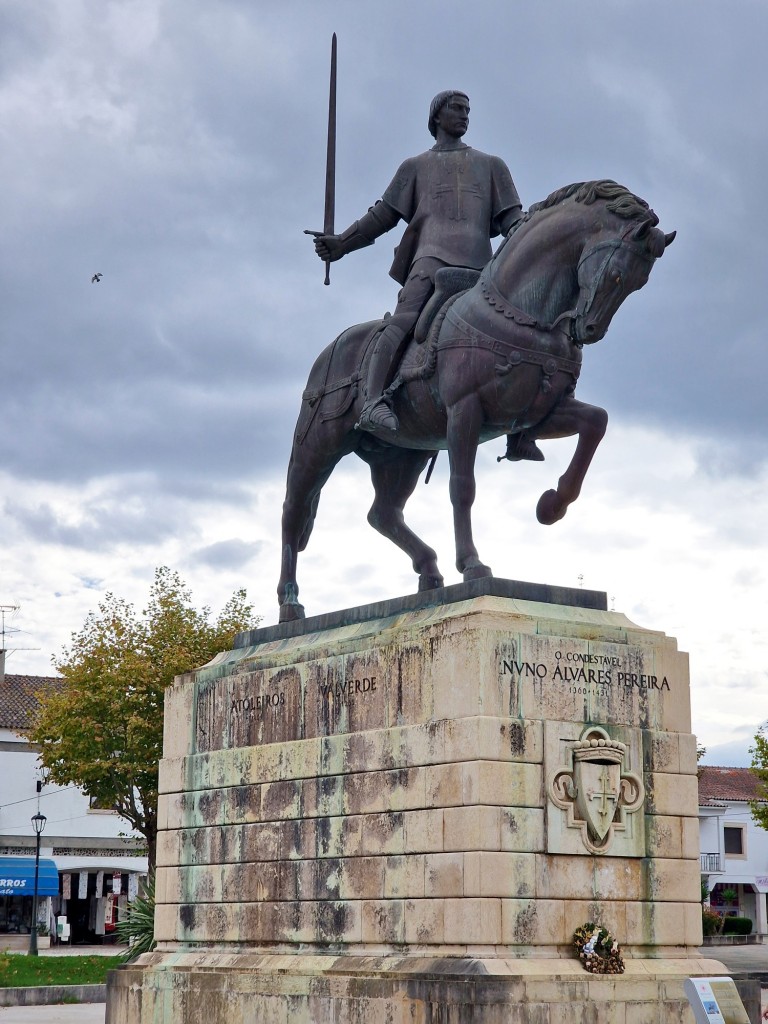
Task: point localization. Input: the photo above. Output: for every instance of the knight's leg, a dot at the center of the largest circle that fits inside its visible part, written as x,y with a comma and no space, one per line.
394,481
522,447
377,413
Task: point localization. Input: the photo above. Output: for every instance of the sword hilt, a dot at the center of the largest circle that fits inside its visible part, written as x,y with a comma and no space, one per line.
318,234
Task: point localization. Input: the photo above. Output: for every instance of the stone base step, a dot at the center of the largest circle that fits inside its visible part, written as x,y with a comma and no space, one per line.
306,989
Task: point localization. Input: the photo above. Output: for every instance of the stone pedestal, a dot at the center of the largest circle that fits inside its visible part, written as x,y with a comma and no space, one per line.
406,811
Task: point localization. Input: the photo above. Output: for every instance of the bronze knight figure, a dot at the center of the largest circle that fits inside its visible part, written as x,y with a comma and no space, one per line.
454,199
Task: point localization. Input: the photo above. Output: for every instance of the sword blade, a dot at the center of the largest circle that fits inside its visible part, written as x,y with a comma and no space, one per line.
330,159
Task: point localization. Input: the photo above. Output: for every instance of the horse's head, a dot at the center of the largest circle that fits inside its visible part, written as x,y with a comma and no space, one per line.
611,269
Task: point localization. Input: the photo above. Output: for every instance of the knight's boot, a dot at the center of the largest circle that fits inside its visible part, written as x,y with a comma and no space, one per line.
522,448
377,412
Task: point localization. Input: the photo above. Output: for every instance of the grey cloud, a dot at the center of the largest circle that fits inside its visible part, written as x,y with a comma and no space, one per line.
734,754
732,457
227,554
119,519
184,159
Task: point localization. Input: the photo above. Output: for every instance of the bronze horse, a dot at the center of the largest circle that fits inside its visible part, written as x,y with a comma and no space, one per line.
500,357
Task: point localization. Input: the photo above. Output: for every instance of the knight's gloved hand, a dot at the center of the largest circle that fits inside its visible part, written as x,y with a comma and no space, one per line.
330,247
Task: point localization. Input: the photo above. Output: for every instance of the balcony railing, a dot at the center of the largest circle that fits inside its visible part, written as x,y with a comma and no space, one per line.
710,862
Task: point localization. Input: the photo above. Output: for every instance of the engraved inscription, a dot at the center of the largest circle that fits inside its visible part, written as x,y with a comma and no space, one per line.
346,691
250,707
580,673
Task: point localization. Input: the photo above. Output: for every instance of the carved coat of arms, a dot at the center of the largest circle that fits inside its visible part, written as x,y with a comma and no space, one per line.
595,790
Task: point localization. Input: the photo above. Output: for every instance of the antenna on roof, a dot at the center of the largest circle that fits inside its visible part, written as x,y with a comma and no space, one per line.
8,609
4,610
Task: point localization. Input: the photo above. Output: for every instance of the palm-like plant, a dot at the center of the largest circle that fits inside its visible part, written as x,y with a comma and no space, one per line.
137,926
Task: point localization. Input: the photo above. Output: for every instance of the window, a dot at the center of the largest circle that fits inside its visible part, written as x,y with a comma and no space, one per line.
735,840
94,804
15,914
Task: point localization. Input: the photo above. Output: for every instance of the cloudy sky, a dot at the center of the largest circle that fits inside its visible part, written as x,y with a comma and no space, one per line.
177,147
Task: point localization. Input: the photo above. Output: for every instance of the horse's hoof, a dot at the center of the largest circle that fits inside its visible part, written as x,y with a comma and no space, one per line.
477,572
551,508
428,582
291,612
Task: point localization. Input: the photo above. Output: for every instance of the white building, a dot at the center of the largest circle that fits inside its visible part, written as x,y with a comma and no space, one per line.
89,866
734,849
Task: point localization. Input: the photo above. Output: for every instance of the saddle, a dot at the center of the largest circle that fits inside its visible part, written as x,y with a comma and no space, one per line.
337,394
449,281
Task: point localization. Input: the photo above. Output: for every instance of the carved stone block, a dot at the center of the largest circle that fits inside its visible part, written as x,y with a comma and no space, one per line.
463,785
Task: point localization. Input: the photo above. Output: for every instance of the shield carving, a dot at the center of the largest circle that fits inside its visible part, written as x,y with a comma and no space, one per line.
598,792
594,790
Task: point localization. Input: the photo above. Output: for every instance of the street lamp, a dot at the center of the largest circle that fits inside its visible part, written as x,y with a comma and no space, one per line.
38,824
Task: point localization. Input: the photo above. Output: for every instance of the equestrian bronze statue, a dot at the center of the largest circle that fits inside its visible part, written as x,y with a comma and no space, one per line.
500,357
479,346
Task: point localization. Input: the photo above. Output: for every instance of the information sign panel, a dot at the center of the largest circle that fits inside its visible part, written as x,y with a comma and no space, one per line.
715,1001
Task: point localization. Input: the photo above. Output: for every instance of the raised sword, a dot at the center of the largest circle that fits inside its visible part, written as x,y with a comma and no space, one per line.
330,163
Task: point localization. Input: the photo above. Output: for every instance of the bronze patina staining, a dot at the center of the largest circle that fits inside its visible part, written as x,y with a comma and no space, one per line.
479,346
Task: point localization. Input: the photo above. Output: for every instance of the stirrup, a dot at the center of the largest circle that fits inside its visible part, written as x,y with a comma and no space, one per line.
376,416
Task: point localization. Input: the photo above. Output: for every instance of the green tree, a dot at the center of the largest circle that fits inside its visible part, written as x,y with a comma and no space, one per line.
700,752
103,730
759,752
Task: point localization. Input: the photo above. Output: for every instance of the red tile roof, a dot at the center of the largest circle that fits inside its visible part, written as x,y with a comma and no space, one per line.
717,784
18,701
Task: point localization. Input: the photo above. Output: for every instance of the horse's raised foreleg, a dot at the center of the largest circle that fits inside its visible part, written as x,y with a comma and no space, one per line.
464,422
307,474
569,418
394,480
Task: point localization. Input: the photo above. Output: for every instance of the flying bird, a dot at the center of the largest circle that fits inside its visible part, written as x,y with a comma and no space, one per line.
96,278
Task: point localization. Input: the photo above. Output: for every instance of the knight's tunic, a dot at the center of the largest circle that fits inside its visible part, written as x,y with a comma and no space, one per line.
452,199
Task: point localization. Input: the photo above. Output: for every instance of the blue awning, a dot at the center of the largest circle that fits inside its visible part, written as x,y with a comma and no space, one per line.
17,877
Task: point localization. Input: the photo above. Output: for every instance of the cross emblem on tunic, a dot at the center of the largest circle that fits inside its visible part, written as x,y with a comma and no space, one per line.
459,189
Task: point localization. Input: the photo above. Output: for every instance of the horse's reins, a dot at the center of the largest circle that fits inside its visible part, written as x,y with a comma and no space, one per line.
494,298
586,299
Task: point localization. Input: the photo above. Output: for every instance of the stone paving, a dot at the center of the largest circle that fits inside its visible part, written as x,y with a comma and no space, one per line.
741,959
65,950
79,1013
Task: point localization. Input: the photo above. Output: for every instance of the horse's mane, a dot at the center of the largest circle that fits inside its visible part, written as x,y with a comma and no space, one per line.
620,200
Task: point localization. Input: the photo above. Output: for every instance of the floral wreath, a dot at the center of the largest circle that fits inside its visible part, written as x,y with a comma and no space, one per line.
597,949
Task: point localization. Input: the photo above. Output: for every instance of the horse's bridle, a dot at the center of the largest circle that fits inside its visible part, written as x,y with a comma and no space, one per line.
611,245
